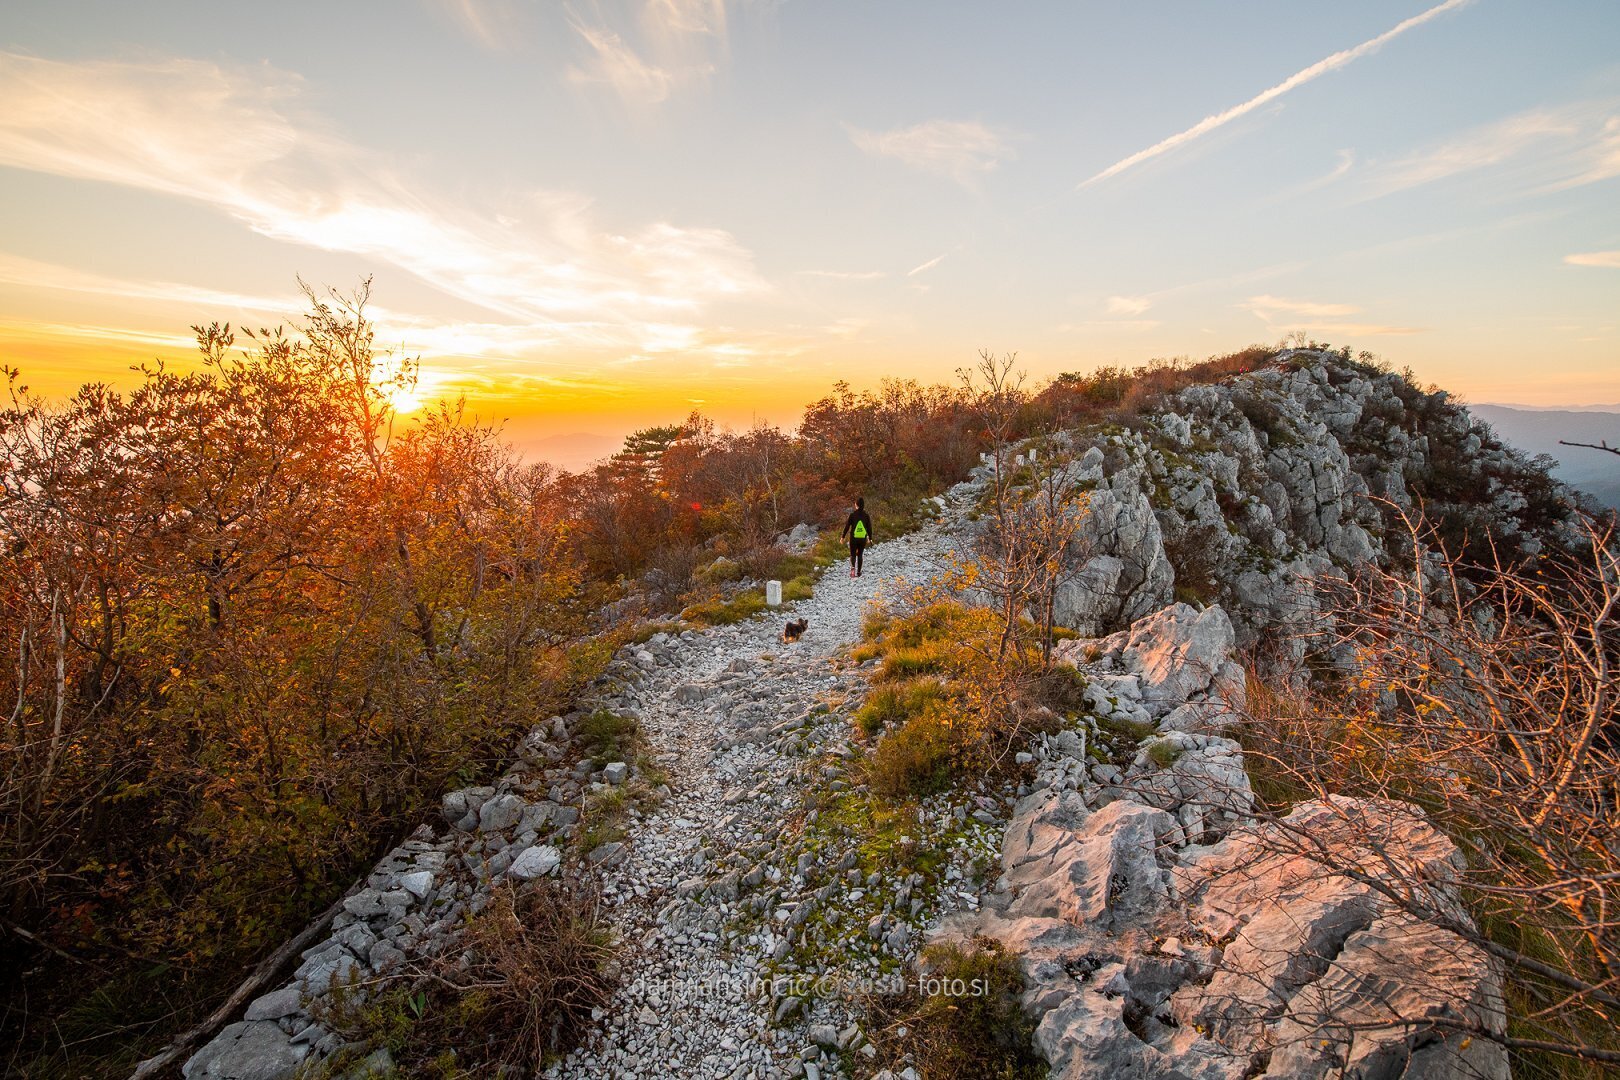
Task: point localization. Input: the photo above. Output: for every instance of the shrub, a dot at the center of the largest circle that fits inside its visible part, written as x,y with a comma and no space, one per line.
520,991
718,611
914,759
891,705
972,1028
606,736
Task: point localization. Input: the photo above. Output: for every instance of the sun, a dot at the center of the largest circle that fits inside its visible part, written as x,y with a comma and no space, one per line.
404,400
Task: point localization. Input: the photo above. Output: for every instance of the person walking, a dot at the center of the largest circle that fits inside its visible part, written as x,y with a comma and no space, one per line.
859,530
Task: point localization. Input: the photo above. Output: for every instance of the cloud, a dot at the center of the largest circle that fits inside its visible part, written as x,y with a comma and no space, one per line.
497,25
1294,81
687,16
929,265
1609,259
1128,305
1553,148
1269,306
616,64
1130,325
846,275
962,150
645,59
30,273
237,141
1280,314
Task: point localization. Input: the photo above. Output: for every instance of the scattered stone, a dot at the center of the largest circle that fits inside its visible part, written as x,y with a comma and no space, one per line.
535,862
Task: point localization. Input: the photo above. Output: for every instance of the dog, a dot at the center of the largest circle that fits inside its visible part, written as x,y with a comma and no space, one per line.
793,629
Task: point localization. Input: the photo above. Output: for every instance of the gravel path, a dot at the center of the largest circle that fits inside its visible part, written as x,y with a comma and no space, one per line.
710,892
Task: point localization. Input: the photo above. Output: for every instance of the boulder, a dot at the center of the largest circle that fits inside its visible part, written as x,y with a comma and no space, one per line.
501,812
1107,873
535,862
1178,652
250,1050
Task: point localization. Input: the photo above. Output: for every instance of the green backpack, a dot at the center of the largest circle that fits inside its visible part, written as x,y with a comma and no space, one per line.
860,530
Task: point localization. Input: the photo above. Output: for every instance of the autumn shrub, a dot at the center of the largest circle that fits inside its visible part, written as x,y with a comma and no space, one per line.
916,758
894,703
257,624
1484,694
941,705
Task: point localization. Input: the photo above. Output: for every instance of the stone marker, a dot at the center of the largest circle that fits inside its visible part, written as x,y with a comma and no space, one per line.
773,593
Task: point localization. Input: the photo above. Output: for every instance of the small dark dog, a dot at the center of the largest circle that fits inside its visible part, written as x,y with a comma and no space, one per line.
792,630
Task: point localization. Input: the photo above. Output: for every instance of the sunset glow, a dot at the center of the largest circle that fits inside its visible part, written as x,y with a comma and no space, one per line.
581,224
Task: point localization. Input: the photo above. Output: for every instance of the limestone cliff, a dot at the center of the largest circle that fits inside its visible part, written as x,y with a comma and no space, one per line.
1235,492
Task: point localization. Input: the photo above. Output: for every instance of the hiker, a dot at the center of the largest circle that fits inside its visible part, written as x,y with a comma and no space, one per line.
859,530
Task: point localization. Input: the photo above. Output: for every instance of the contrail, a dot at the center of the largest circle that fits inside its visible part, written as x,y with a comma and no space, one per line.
1299,78
929,265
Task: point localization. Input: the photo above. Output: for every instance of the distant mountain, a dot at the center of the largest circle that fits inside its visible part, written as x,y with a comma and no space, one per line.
1537,431
571,452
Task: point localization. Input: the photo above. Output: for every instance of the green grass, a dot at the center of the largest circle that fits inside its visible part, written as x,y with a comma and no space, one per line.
606,736
720,612
893,704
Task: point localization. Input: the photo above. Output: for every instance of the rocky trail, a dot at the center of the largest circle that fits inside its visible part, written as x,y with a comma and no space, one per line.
735,718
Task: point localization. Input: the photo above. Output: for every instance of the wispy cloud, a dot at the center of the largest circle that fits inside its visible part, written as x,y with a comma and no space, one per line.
963,150
1281,314
31,273
1609,259
1265,97
1135,326
846,275
687,16
1346,162
929,265
1545,149
616,64
237,141
1128,305
497,25
645,58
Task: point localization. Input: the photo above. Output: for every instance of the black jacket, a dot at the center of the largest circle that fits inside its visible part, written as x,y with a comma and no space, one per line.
849,526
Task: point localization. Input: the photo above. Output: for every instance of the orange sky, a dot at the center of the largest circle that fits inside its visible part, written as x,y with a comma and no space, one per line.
592,222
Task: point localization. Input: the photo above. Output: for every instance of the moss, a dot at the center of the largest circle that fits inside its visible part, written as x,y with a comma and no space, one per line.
1163,753
888,839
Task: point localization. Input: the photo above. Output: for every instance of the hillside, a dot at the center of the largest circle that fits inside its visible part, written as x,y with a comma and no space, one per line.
794,841
1544,431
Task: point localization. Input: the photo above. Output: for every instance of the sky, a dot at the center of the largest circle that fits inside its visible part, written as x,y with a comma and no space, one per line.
590,217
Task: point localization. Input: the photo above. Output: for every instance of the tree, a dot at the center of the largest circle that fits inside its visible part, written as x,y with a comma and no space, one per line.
1035,508
1487,696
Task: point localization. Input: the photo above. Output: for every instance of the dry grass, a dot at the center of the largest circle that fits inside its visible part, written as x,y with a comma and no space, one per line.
962,1021
1490,701
517,993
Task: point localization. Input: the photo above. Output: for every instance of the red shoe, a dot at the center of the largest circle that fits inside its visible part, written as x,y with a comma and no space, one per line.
852,571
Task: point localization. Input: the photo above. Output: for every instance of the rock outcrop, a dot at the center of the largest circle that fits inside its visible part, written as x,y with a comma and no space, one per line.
1166,931
1238,491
